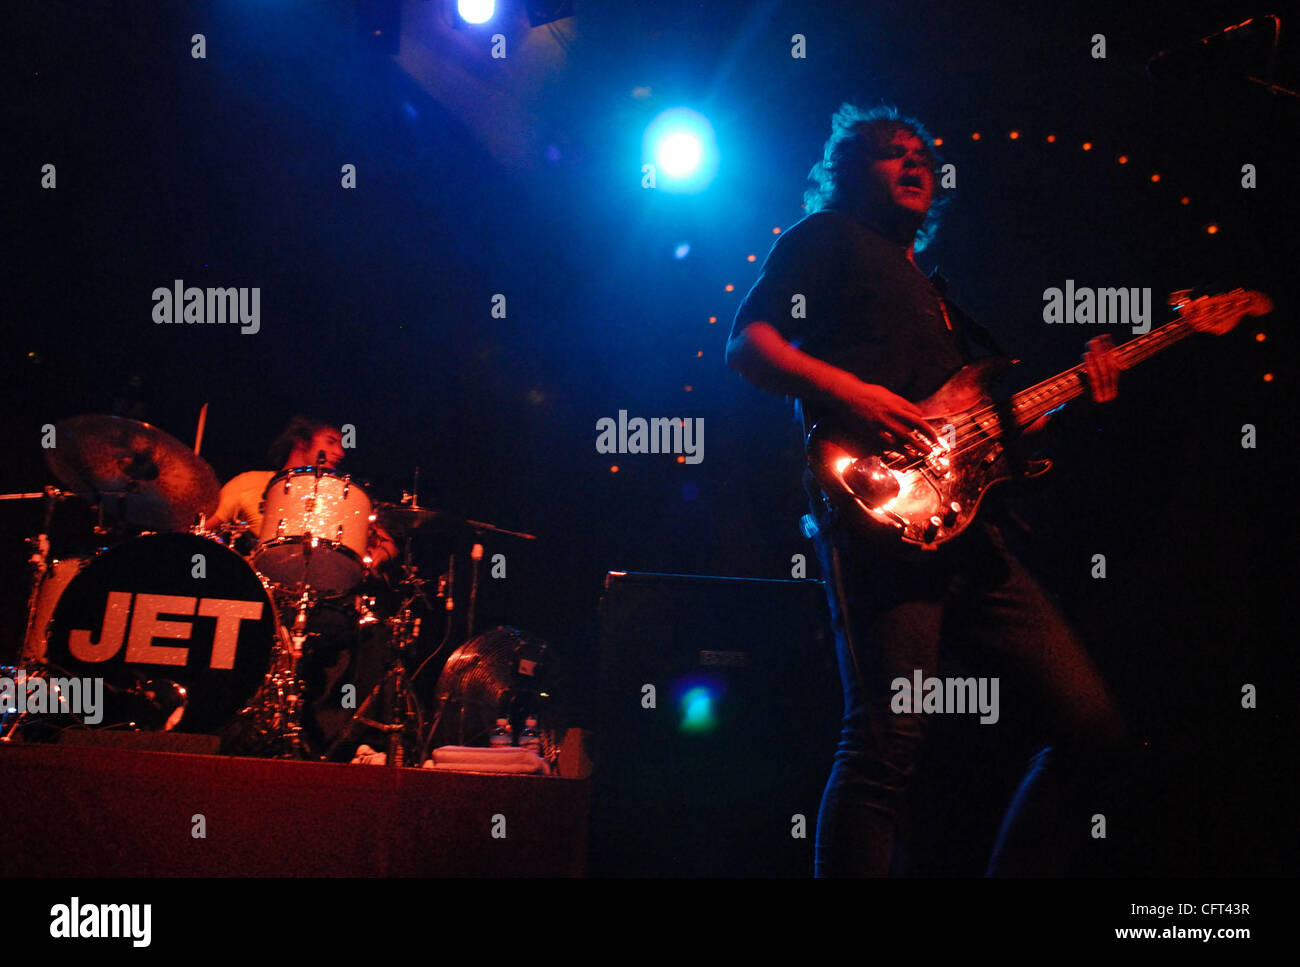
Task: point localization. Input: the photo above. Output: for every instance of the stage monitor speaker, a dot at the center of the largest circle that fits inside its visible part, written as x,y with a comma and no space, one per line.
717,713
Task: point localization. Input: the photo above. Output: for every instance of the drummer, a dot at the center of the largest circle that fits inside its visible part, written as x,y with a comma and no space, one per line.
303,443
344,650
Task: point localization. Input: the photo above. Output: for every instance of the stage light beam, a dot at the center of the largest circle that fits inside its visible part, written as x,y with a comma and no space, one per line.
679,154
681,144
476,11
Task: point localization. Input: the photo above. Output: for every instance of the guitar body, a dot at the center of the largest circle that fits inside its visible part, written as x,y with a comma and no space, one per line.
922,502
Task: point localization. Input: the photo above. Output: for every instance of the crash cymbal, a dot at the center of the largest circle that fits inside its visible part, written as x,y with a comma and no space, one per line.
142,474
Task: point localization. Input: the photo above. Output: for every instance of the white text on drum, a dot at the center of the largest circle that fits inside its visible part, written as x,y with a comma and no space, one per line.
145,626
59,696
211,305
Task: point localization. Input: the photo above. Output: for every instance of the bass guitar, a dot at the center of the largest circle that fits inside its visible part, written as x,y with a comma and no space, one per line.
921,494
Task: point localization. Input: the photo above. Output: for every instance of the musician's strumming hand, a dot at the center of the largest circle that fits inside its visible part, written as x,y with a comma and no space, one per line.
885,416
1101,369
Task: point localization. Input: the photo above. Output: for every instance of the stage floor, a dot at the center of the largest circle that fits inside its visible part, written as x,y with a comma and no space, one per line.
70,811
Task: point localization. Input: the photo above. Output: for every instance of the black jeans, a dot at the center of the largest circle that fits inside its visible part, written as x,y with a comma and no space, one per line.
891,618
340,652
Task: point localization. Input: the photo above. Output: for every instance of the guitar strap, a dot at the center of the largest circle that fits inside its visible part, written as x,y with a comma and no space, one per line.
978,333
972,331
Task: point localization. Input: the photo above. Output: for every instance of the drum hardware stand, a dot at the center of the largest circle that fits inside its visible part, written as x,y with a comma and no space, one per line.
475,555
39,668
447,588
306,603
40,560
40,547
7,734
288,684
276,711
405,630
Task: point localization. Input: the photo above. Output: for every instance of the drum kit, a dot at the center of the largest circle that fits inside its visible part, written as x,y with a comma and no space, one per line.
203,628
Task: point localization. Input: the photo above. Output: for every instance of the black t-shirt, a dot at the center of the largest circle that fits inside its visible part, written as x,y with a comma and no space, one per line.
867,308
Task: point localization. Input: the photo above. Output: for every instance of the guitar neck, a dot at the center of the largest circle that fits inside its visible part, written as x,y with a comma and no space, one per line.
1028,405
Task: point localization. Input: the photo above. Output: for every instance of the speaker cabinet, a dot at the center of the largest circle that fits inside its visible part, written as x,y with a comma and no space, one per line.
717,713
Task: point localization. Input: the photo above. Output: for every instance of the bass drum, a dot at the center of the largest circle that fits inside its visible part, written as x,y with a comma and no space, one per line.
167,607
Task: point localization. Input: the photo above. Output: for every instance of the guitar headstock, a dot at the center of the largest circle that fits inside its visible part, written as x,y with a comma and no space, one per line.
1219,313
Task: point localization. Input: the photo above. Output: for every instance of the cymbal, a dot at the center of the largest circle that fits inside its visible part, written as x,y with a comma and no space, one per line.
143,474
402,519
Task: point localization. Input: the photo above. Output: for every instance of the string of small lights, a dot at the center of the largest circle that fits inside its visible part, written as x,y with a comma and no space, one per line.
1122,159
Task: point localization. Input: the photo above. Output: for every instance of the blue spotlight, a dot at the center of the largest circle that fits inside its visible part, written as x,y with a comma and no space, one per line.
681,251
476,11
681,145
679,154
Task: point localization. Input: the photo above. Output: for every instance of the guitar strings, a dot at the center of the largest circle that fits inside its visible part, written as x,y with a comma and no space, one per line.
1131,353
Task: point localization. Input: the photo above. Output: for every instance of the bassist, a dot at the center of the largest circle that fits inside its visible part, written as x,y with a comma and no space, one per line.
842,319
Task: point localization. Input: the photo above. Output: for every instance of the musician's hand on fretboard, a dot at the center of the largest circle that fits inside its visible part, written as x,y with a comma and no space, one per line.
1102,370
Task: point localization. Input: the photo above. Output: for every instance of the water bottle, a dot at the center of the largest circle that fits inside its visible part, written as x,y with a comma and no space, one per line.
501,737
530,737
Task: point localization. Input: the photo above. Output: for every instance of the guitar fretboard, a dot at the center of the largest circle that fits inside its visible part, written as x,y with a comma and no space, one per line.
1028,405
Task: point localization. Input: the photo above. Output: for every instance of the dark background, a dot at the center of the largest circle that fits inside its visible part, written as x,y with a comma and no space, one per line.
522,177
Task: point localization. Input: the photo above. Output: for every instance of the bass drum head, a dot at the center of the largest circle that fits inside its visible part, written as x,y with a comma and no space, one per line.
168,607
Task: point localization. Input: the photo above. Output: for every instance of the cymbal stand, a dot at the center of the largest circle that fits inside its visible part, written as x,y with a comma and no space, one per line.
39,561
405,630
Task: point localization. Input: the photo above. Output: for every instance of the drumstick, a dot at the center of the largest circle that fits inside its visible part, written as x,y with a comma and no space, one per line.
198,437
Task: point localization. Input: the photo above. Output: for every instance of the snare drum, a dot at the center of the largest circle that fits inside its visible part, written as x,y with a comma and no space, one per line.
314,529
173,607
